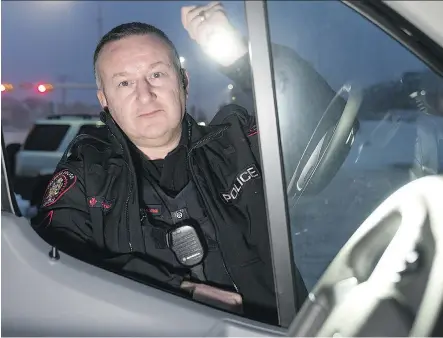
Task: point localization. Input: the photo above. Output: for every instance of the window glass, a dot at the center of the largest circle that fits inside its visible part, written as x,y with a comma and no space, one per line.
396,136
45,137
99,131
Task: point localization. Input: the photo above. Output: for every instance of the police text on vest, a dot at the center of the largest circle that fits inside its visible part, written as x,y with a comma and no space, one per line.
241,179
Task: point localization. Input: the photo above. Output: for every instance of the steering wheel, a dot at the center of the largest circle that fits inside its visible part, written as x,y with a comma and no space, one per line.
387,280
326,151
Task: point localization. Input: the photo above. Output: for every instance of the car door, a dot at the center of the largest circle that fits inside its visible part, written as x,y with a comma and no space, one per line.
55,294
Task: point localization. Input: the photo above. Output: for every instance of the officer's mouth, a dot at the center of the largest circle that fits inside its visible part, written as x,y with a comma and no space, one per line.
150,114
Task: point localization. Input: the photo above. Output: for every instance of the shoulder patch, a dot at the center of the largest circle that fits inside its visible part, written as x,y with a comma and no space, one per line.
58,186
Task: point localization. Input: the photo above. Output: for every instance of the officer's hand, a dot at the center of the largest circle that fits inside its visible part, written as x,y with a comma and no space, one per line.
230,301
210,28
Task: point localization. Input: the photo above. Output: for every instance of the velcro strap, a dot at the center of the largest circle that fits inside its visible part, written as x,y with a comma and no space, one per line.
159,237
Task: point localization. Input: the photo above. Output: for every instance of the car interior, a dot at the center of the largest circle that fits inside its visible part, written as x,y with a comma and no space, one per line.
385,280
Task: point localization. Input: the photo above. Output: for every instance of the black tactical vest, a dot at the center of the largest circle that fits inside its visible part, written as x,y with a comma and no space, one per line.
162,213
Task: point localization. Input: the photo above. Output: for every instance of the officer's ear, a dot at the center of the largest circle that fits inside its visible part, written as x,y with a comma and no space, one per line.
102,98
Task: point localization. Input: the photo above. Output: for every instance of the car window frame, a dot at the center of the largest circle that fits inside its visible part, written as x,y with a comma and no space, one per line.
271,159
9,203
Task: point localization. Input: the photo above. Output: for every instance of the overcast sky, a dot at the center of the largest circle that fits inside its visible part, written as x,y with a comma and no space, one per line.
42,40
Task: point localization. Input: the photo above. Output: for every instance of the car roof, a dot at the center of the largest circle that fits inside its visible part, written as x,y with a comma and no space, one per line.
71,120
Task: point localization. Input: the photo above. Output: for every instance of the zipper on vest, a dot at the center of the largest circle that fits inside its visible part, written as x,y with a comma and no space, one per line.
211,217
127,216
129,194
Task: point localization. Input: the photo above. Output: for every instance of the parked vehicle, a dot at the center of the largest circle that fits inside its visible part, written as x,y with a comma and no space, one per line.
37,157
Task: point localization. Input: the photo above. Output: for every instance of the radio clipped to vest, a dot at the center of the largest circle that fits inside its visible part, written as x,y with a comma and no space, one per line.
185,242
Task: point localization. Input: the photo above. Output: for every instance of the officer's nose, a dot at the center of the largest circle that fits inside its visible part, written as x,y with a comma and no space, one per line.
145,91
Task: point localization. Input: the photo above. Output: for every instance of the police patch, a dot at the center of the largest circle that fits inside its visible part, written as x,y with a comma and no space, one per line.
58,186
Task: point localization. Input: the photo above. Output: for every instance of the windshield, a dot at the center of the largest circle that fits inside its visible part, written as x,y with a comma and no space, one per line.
396,135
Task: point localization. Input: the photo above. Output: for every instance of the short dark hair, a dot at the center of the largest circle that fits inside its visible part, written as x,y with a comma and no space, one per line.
135,28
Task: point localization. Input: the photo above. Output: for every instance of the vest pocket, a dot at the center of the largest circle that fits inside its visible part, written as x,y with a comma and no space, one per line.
250,262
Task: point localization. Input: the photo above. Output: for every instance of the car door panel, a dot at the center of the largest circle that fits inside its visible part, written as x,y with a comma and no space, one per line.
67,297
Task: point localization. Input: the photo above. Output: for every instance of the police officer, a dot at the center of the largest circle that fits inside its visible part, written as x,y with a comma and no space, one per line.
164,200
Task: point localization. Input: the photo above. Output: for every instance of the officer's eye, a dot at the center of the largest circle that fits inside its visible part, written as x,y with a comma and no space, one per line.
157,75
123,84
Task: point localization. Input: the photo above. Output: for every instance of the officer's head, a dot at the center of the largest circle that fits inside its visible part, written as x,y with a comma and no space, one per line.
141,82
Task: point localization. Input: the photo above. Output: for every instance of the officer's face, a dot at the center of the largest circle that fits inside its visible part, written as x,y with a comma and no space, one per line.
142,89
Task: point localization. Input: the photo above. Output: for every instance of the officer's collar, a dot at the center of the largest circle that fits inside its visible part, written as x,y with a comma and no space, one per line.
185,138
183,143
201,135
117,136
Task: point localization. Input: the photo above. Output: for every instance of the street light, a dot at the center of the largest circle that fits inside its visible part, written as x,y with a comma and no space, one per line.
44,88
230,86
6,87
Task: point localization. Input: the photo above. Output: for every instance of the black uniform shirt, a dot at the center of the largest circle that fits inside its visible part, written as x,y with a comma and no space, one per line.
170,173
